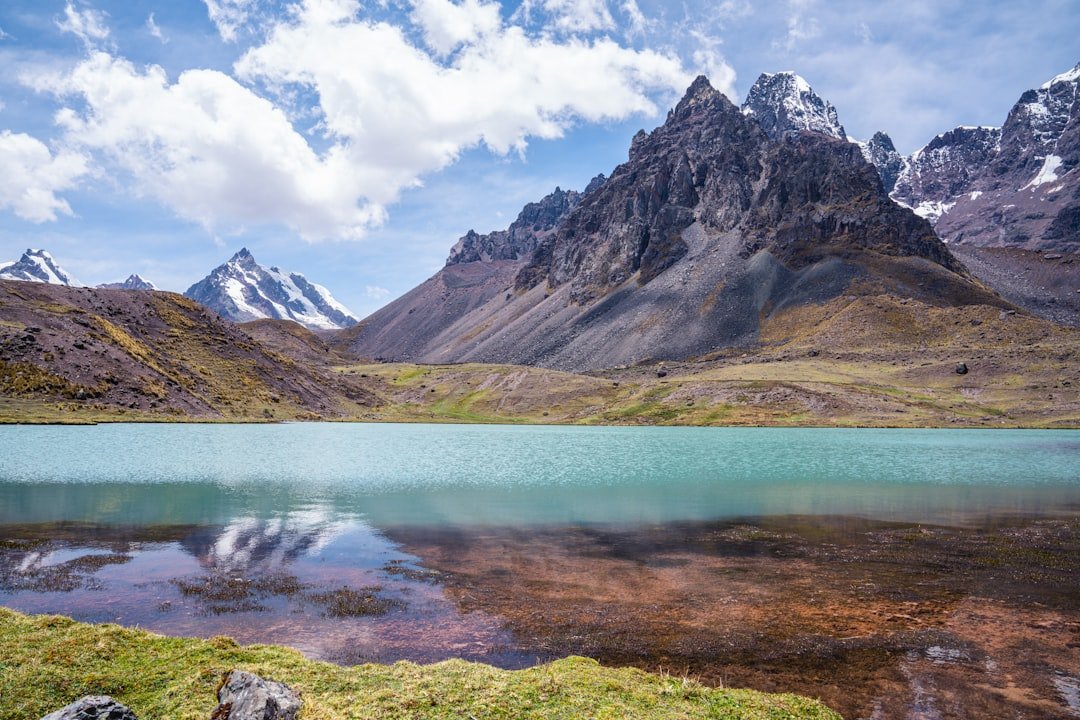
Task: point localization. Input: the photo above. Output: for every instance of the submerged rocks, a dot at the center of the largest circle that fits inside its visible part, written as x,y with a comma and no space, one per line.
245,696
93,707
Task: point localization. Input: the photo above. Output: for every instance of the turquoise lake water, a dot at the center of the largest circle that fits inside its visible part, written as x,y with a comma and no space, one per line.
478,474
175,507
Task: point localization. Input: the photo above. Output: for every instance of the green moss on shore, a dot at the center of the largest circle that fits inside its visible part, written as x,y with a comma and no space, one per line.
48,661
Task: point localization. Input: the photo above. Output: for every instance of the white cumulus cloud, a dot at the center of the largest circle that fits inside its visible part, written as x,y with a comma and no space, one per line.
219,149
210,148
33,176
446,25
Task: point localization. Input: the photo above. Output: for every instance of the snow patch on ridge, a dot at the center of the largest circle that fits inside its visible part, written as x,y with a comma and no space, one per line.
1047,173
932,210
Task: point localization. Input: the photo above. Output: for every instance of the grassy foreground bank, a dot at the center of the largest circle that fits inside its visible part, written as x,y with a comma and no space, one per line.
48,661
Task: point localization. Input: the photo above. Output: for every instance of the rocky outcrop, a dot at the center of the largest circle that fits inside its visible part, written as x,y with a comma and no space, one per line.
245,696
519,240
93,707
242,696
710,226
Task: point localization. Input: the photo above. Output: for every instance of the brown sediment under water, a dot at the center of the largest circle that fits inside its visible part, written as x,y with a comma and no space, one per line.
893,574
878,619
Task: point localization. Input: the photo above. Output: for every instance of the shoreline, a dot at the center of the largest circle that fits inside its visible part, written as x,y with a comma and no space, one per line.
51,660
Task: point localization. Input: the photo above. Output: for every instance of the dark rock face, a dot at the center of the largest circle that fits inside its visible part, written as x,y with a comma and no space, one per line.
241,290
709,228
802,197
93,707
880,152
634,222
519,240
245,696
785,103
1014,187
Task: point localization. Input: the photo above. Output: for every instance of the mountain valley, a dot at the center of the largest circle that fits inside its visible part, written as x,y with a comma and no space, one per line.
746,265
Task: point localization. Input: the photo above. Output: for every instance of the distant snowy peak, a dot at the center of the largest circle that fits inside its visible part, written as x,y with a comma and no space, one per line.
784,102
37,266
241,290
134,282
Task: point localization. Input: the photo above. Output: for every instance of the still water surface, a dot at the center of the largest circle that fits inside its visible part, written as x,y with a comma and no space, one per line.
350,542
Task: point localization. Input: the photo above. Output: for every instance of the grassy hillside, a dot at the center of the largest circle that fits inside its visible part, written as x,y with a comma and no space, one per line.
48,661
69,355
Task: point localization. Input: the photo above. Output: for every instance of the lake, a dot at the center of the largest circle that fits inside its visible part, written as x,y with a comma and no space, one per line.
886,571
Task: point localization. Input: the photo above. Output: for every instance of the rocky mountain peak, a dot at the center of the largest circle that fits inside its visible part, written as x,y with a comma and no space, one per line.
784,102
244,258
519,240
700,92
37,266
711,165
880,152
242,290
133,282
1013,186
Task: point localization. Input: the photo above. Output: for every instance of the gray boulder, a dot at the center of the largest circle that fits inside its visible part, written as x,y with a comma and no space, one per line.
93,707
245,696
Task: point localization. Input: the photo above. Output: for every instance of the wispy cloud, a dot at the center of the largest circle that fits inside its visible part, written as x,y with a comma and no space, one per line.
376,293
88,24
155,30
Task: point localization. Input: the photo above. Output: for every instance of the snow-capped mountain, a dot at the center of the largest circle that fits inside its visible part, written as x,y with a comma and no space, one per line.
1013,186
134,282
784,102
1016,186
37,266
241,290
945,168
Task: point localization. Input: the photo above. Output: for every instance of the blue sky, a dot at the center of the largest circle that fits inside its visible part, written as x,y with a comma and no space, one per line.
355,141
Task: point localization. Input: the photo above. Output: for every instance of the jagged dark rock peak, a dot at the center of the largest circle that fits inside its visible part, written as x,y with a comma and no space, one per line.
634,222
242,290
711,165
519,240
37,266
708,230
133,282
880,152
784,102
